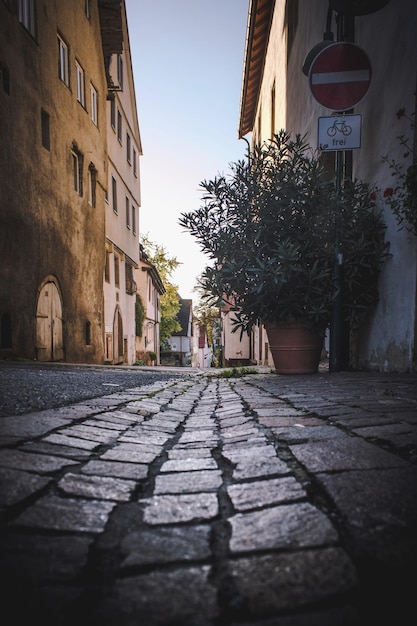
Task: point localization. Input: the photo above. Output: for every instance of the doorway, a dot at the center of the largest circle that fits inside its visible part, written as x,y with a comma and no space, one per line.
49,335
118,337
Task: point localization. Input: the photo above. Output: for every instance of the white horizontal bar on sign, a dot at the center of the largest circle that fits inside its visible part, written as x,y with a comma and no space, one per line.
354,76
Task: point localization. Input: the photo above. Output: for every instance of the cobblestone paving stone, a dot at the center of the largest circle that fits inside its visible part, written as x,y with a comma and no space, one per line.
257,501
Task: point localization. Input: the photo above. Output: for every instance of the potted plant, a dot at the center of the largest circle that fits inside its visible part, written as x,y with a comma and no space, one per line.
270,230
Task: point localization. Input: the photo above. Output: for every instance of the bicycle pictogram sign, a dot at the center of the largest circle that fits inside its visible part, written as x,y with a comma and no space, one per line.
339,132
339,127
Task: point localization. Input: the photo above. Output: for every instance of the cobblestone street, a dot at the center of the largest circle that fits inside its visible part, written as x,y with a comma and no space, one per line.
199,500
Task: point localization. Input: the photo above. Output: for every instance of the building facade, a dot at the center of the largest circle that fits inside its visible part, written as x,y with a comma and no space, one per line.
276,94
150,288
60,62
122,206
181,342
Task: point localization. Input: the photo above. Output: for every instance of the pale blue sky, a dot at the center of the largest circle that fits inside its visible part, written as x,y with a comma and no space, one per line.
187,58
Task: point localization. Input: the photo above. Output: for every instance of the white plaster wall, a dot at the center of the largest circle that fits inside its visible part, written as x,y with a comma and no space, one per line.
390,40
233,346
125,238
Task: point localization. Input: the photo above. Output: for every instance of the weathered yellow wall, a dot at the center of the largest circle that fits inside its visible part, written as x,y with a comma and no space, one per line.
46,228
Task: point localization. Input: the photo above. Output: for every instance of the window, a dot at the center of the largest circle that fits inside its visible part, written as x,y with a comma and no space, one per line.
113,114
5,78
133,220
130,284
135,162
120,71
114,193
107,267
77,170
291,19
128,148
6,331
63,61
127,212
88,333
45,129
27,15
79,76
92,181
116,271
119,126
93,103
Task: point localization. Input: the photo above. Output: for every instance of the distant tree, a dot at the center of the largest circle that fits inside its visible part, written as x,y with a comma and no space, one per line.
170,303
208,316
206,313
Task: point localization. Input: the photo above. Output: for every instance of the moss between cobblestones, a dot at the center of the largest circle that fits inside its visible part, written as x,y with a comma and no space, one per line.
234,372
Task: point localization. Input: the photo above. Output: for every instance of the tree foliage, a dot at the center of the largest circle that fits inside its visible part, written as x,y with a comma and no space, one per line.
170,303
270,231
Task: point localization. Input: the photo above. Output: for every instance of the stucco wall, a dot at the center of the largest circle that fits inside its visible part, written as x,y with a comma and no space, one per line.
386,338
46,227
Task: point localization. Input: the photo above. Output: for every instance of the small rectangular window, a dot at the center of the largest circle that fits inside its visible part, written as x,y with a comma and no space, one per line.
116,271
133,219
120,71
5,79
63,61
113,114
135,163
127,213
77,170
27,15
93,103
107,267
45,130
92,183
79,76
114,193
128,148
119,126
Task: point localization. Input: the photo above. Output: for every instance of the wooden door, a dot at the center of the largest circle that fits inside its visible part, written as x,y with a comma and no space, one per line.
49,335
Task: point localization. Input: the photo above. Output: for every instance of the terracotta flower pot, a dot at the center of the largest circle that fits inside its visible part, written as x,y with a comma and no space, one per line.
295,349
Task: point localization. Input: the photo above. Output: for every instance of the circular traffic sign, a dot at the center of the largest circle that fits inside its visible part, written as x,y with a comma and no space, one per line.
340,76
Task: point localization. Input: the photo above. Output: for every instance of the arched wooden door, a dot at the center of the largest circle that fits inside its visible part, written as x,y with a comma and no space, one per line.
117,337
49,335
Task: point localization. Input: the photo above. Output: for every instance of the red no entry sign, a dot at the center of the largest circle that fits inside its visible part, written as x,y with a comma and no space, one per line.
340,76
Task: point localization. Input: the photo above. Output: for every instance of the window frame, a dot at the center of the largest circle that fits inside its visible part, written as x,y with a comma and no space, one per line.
113,113
127,203
93,104
80,83
117,270
128,148
45,129
63,61
135,163
27,16
77,169
120,71
114,194
107,266
119,127
92,185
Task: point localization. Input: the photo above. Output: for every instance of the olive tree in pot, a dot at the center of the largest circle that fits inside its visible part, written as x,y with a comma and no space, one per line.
269,230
